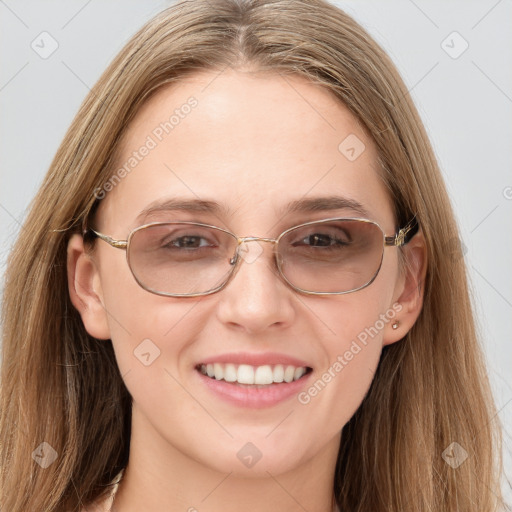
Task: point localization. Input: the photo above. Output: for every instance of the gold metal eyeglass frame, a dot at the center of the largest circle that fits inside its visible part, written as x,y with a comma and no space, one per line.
402,237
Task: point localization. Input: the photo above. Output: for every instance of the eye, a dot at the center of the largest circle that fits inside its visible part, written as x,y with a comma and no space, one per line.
187,242
323,240
328,236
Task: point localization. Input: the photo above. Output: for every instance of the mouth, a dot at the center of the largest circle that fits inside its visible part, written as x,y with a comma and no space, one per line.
245,375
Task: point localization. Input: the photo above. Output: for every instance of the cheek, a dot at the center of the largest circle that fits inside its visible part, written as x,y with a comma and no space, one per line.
352,349
147,330
339,388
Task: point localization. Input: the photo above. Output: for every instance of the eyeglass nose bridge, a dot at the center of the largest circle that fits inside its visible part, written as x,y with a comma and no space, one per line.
255,238
244,239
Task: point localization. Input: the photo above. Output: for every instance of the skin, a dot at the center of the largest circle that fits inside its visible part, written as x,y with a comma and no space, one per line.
254,143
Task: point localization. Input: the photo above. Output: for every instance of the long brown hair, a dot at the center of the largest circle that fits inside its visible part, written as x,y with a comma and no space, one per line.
62,387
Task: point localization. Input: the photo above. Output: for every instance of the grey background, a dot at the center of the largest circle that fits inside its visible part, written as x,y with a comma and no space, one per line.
465,103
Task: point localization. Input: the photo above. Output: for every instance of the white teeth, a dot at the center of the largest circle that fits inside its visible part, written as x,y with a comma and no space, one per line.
299,372
289,373
219,371
263,375
255,375
245,374
278,373
230,373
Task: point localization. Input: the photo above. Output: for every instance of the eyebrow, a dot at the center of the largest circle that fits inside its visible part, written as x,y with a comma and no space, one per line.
326,203
186,205
304,205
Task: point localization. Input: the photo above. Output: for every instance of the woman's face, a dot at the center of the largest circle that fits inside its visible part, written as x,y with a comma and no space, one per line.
253,144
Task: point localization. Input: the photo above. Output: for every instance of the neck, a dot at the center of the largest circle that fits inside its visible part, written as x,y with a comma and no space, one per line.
162,477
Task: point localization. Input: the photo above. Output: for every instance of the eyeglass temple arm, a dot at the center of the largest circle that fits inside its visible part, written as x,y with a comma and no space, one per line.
119,244
404,235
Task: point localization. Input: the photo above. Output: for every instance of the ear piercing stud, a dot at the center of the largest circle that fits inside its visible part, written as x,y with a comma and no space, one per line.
395,324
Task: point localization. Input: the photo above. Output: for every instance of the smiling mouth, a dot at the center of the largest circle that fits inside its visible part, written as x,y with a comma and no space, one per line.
247,375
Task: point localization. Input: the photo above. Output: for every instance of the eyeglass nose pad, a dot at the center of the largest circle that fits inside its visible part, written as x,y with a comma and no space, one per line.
239,254
234,260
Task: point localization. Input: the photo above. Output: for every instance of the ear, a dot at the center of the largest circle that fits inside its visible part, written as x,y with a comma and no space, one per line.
408,296
84,286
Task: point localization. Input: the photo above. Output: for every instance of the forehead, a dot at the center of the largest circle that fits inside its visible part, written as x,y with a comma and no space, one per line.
252,142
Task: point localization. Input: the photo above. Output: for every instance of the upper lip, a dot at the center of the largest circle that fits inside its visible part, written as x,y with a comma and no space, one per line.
255,359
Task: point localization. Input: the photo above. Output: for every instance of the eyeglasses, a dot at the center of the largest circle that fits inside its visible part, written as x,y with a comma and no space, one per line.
189,259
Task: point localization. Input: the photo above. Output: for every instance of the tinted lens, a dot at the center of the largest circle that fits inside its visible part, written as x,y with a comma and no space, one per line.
332,256
181,258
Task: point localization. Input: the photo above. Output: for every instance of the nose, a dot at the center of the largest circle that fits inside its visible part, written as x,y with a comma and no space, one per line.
256,298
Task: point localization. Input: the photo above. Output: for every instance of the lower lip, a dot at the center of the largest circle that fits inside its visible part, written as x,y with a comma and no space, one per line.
254,397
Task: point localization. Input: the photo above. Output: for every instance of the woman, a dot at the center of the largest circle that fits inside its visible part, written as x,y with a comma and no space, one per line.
231,291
